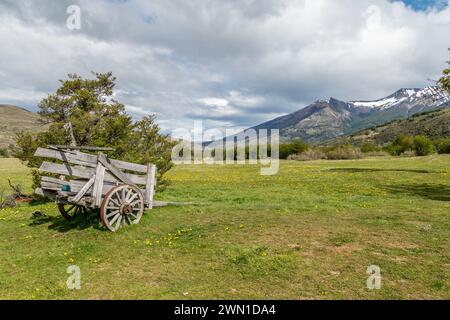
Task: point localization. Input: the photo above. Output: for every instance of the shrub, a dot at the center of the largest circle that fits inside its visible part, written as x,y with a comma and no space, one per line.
423,146
294,147
369,147
4,153
443,146
401,144
346,152
308,155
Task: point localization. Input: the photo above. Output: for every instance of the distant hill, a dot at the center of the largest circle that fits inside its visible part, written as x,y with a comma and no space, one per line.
327,119
14,119
433,124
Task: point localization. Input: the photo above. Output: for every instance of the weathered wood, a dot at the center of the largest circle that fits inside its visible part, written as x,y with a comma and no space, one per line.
84,201
85,159
72,158
51,186
83,190
86,173
150,185
77,185
45,193
98,185
81,148
113,170
54,180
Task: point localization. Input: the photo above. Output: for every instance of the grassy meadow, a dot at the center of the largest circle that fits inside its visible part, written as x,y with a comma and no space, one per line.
309,232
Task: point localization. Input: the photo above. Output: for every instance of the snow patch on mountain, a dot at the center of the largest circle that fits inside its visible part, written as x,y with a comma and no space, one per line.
410,96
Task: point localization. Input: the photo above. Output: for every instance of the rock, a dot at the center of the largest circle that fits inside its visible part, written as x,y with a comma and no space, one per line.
38,214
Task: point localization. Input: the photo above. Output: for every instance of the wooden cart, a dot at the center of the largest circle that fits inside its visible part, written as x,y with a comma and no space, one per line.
121,190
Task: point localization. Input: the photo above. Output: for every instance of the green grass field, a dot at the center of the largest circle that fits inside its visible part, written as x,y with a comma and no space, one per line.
309,232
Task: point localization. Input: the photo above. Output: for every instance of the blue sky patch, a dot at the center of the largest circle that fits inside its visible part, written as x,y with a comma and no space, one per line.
426,4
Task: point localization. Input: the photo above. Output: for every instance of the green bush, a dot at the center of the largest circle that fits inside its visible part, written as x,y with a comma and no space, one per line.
443,146
369,147
294,147
4,153
423,146
400,145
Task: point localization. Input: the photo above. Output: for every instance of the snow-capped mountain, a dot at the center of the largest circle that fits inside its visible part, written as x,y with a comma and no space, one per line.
328,119
431,95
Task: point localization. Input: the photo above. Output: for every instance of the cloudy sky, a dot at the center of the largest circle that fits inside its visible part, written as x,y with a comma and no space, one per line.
230,63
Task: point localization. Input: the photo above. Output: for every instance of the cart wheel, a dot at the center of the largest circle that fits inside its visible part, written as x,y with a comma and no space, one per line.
69,211
122,205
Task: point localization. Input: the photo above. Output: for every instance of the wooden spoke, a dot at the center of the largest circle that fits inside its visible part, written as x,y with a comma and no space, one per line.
133,197
135,202
69,211
119,222
133,215
115,218
127,208
109,215
115,202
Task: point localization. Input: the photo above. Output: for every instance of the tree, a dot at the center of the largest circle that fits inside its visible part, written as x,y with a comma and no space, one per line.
445,80
423,146
83,112
400,145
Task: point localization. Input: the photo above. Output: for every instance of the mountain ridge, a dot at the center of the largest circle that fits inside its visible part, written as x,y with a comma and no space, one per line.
433,124
331,118
14,119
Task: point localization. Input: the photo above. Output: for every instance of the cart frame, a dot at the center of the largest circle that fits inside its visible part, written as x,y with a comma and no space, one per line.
121,190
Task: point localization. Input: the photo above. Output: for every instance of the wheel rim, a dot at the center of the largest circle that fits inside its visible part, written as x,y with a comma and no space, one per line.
69,211
122,205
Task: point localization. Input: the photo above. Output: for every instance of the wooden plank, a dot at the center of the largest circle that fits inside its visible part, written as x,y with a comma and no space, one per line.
54,180
81,148
98,185
51,186
77,185
150,185
129,166
85,159
83,190
46,194
113,170
72,158
86,173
